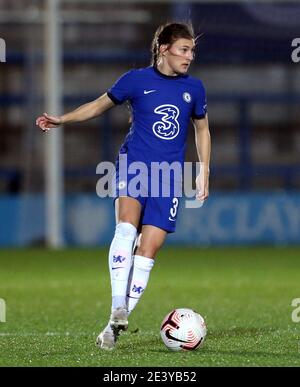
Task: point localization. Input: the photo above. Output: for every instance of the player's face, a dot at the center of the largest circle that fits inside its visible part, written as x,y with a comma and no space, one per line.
180,54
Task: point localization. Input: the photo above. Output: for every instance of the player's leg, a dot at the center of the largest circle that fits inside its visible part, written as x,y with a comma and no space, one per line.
128,212
158,219
152,239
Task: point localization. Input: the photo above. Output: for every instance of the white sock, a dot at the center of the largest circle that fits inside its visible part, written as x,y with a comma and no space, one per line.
120,261
138,280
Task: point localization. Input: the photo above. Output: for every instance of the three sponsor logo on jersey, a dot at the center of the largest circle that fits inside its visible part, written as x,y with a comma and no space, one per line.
168,127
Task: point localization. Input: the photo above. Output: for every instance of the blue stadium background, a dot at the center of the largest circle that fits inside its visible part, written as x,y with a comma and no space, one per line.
253,87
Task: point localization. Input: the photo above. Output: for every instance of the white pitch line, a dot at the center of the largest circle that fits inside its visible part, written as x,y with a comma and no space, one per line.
27,334
66,334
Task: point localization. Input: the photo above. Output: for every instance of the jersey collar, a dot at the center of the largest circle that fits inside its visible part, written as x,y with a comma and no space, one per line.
169,76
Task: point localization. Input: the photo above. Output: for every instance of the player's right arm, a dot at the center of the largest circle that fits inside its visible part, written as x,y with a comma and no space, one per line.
82,113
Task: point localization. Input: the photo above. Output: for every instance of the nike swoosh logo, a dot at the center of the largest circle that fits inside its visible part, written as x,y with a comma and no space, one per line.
136,298
118,267
169,336
149,91
172,220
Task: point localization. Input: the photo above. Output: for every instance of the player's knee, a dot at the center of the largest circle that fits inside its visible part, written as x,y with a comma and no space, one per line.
147,251
126,230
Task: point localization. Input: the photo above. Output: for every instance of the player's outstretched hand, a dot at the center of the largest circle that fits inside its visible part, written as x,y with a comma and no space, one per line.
46,122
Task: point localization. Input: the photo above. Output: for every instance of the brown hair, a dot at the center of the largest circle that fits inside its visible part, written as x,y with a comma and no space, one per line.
168,34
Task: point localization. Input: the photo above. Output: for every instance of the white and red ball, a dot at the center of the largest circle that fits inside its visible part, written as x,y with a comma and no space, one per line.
183,329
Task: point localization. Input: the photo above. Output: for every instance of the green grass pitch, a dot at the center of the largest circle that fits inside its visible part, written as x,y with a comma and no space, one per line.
58,301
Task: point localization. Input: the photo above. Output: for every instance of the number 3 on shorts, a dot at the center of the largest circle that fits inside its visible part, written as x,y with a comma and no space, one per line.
173,209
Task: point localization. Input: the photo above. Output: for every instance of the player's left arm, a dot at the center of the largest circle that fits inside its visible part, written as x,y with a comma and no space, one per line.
203,146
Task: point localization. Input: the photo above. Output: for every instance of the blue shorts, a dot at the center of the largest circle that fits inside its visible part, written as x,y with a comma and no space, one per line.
159,205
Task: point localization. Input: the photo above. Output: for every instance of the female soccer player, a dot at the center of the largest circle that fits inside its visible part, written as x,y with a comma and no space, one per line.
163,99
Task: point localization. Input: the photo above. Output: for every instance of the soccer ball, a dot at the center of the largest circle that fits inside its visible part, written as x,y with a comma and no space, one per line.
183,329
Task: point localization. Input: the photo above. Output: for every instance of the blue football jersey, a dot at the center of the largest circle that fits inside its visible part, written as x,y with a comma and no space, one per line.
162,107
